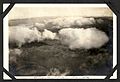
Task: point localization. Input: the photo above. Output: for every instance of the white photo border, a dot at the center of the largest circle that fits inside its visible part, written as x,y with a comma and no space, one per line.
6,46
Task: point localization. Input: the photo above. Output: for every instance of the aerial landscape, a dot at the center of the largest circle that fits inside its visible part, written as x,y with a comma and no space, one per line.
61,45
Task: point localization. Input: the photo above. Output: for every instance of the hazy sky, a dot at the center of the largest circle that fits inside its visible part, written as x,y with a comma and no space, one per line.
28,12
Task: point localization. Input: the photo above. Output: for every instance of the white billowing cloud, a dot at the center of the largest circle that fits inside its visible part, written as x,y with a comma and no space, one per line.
68,21
85,38
48,35
61,22
84,21
82,38
39,26
21,35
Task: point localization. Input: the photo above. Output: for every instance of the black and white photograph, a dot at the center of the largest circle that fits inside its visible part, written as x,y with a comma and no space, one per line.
60,40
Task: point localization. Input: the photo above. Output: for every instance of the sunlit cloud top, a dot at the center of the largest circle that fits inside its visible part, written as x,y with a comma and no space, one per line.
40,11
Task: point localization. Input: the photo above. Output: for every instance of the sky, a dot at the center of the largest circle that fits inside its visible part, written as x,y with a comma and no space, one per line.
19,12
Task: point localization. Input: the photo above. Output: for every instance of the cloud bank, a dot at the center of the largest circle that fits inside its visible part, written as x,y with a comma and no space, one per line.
67,33
21,35
64,22
82,38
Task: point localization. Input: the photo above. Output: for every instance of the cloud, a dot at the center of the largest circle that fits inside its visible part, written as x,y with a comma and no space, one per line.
82,38
46,34
63,22
69,35
21,35
68,21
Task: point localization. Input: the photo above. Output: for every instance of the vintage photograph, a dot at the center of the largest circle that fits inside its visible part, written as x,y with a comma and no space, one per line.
60,40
